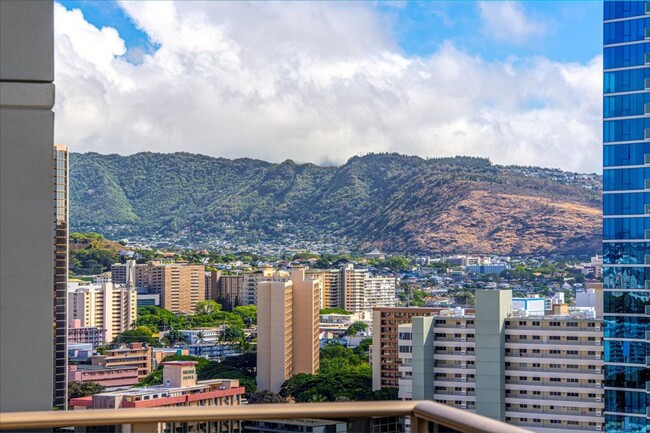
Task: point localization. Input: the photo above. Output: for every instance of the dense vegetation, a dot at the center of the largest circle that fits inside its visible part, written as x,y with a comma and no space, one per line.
157,319
398,203
344,374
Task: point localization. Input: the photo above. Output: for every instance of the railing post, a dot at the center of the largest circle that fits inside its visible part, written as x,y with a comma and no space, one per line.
419,425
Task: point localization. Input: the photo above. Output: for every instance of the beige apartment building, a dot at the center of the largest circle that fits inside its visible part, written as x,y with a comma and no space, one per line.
353,284
287,328
354,289
180,285
252,279
542,373
228,290
104,306
384,353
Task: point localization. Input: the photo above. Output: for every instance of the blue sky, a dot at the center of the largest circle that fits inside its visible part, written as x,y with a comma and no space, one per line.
573,30
320,82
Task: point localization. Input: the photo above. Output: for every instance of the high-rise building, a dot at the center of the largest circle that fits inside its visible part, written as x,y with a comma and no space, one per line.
250,282
124,273
26,244
104,306
543,373
180,285
331,296
384,353
626,211
354,289
228,290
60,228
287,328
353,283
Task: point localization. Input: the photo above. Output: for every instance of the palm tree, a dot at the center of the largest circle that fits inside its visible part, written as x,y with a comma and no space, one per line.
200,337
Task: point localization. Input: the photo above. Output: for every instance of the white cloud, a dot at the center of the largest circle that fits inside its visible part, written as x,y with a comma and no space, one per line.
316,82
506,21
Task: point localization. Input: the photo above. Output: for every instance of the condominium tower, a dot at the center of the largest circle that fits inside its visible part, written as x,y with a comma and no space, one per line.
60,233
543,373
104,306
26,208
626,212
287,328
180,285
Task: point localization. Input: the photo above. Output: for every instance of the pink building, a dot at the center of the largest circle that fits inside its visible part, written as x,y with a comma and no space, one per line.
109,377
180,387
79,334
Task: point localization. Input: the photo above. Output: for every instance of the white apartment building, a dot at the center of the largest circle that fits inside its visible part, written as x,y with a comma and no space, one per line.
379,292
103,306
541,373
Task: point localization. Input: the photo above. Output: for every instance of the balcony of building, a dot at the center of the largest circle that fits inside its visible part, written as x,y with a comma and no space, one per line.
423,416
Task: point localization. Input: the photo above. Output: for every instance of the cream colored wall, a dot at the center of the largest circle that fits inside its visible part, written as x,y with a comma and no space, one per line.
272,334
306,305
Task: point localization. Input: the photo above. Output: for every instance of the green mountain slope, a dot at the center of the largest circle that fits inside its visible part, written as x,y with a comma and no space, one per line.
399,203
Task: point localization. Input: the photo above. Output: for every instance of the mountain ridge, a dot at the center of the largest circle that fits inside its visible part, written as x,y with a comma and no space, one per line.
403,204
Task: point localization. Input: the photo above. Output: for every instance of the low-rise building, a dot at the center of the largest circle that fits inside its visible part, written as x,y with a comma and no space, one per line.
159,354
85,334
110,377
180,388
135,354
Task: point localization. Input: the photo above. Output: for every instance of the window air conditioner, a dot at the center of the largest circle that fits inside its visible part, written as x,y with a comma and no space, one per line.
598,370
463,406
463,392
463,379
597,356
598,385
463,365
599,413
598,399
463,325
463,339
462,352
597,327
597,342
598,428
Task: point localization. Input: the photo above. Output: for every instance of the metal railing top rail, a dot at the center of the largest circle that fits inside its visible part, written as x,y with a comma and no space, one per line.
437,413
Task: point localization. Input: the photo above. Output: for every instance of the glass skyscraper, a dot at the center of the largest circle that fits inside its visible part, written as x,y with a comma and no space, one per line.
626,214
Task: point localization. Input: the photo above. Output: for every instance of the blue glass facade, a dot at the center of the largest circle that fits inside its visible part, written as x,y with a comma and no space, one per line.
626,215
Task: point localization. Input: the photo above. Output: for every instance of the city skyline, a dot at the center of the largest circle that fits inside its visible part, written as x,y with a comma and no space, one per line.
321,82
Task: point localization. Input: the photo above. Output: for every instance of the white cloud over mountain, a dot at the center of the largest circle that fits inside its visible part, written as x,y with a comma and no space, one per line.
316,82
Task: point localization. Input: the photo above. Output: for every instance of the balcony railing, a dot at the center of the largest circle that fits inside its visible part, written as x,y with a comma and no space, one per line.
426,416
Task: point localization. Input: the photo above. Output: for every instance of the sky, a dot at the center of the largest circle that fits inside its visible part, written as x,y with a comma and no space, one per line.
517,82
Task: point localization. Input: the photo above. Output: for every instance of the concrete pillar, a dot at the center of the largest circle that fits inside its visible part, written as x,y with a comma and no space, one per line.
492,308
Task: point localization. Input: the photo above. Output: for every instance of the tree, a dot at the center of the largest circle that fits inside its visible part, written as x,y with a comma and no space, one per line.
84,389
355,328
265,397
175,336
233,335
141,334
206,308
248,313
